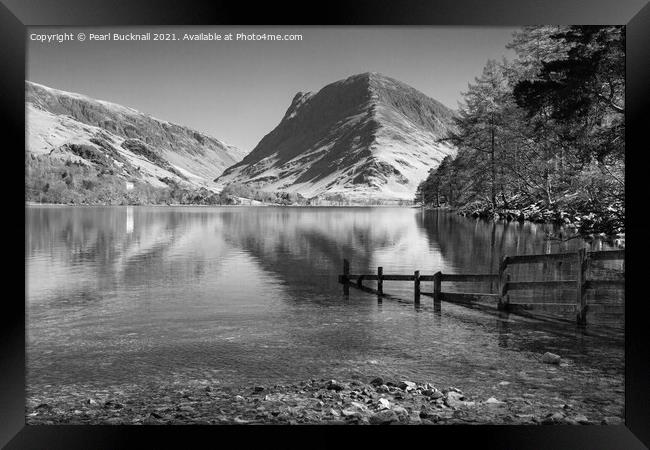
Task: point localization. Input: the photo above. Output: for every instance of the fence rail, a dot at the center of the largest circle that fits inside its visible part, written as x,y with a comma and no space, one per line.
581,284
594,256
476,278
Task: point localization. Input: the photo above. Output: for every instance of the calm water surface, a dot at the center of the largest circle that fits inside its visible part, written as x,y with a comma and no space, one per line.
244,294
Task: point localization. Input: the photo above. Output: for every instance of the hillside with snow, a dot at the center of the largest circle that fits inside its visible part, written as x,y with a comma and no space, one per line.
115,140
366,137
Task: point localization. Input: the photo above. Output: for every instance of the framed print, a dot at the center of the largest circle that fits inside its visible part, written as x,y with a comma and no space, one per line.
258,219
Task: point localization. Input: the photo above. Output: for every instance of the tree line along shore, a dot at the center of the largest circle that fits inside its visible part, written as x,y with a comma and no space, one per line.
52,181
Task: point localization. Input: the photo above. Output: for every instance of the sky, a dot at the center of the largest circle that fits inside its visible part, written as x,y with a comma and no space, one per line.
238,91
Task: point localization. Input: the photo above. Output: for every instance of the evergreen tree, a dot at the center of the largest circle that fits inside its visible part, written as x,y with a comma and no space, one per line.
542,137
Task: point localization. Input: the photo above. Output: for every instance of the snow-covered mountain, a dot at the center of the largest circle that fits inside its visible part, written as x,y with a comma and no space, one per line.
121,141
366,137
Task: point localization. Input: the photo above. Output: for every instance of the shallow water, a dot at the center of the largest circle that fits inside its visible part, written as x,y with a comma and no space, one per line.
123,295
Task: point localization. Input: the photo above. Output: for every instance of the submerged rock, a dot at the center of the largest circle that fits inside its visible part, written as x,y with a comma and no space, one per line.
551,358
110,404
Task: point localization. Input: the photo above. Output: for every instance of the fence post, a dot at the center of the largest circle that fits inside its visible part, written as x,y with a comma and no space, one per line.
437,284
545,276
346,279
581,298
557,293
503,285
416,287
504,300
380,280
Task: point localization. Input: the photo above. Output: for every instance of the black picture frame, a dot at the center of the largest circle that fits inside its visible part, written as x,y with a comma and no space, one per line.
16,15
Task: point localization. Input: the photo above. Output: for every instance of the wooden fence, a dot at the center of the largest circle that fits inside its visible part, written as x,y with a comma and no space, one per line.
581,258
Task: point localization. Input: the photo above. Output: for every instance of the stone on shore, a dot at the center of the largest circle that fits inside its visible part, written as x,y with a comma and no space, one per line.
310,402
400,411
433,393
553,418
384,417
333,385
454,399
612,420
407,385
581,419
384,403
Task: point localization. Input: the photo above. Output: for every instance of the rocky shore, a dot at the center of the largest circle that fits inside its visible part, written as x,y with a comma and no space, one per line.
377,401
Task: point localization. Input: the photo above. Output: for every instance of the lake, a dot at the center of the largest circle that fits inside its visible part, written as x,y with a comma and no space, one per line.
128,295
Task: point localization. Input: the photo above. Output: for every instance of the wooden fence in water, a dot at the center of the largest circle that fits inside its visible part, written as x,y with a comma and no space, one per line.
582,259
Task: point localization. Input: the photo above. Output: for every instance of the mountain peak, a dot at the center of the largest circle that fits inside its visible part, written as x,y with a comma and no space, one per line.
367,134
366,76
365,79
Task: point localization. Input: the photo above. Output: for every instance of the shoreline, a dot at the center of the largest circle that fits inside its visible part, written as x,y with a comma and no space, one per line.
189,205
352,402
570,225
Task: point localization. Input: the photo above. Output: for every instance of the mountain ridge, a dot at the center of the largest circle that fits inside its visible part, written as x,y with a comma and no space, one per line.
58,122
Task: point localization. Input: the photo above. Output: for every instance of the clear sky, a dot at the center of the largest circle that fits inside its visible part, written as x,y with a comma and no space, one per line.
238,91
